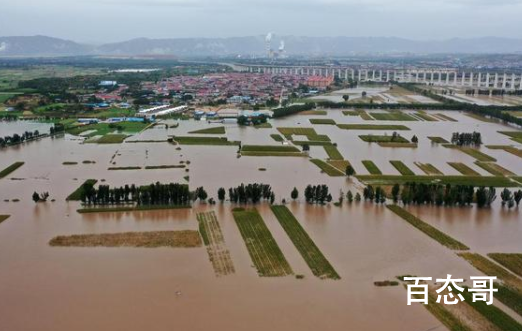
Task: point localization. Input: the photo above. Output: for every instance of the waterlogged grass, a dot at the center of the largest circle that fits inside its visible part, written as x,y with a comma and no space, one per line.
427,229
373,127
213,238
452,322
327,168
325,121
426,117
463,169
310,133
398,145
383,139
277,137
512,261
393,116
438,140
207,141
495,181
494,169
111,139
152,239
125,168
446,117
311,143
261,245
119,209
314,112
10,169
3,218
313,257
473,152
215,130
270,150
351,113
402,168
333,152
339,164
371,167
428,168
510,149
166,166
514,135
77,194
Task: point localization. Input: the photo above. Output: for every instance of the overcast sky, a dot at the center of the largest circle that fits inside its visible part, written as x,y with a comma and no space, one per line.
98,21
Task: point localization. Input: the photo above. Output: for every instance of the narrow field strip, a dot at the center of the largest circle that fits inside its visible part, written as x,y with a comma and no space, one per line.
429,230
506,148
473,152
327,168
495,181
213,238
373,127
438,140
153,239
463,169
510,288
10,169
511,261
77,194
428,168
261,245
305,245
402,168
333,152
494,169
371,167
339,164
3,218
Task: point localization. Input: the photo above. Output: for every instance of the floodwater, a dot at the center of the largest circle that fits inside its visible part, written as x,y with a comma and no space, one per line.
52,288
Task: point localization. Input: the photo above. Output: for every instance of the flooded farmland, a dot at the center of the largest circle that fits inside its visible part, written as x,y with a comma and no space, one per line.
72,288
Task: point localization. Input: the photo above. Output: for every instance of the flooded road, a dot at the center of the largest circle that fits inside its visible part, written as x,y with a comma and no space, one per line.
56,288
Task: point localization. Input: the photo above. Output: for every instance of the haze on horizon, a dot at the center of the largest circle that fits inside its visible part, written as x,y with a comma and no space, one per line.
100,21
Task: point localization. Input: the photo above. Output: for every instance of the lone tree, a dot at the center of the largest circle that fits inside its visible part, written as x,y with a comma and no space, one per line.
201,194
346,97
36,197
306,148
364,94
221,194
414,139
350,171
518,196
395,192
295,194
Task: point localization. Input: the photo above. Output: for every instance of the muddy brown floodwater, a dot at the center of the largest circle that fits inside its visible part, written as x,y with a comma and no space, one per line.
56,288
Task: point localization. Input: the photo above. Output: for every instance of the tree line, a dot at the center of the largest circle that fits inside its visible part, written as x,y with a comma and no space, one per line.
153,194
293,109
17,139
466,138
253,193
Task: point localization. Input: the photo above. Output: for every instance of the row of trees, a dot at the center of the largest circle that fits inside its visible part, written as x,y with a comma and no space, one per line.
509,198
253,193
17,139
317,194
293,109
153,194
466,138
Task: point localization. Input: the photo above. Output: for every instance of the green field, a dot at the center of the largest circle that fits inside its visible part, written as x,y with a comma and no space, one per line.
77,194
215,130
398,145
506,148
326,121
473,152
310,133
495,181
427,229
112,139
428,168
371,167
270,150
333,152
101,129
446,117
166,166
438,140
463,169
494,169
402,168
426,117
373,127
277,137
393,116
10,169
119,209
351,113
514,135
370,138
261,245
3,218
512,261
510,290
327,168
208,141
312,255
214,240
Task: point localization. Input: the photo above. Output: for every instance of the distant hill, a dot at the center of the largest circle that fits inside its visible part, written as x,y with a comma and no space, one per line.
41,46
255,45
